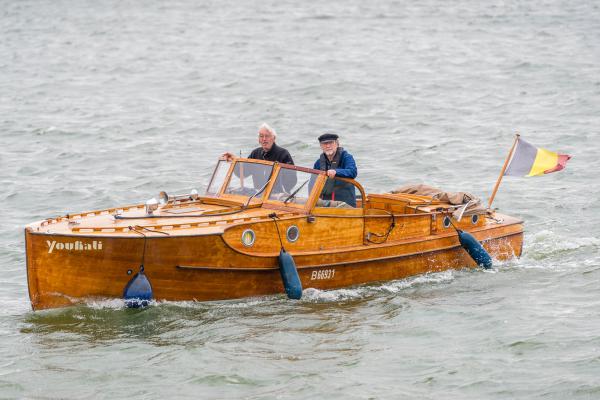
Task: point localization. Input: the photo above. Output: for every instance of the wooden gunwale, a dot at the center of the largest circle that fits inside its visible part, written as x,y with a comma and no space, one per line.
433,237
242,221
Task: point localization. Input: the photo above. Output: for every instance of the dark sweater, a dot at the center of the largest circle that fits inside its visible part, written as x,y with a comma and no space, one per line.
275,154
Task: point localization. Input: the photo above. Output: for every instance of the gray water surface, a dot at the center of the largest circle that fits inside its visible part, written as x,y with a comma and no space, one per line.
108,103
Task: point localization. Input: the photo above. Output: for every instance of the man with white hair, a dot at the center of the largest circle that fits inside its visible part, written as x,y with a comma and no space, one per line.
268,149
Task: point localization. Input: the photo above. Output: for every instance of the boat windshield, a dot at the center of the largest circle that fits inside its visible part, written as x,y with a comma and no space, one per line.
248,178
218,178
292,186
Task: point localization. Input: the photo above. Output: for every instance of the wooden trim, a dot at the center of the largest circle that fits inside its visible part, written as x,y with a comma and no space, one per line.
302,169
339,212
269,188
363,247
339,263
253,160
316,191
359,186
218,201
237,199
32,281
222,269
281,207
300,214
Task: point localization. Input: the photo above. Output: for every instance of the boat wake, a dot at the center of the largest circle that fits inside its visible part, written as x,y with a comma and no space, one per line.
548,245
392,287
309,295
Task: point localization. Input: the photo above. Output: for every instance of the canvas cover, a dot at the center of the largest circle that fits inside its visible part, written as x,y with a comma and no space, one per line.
454,198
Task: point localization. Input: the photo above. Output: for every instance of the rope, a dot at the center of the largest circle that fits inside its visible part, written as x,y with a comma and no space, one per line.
386,235
137,230
274,216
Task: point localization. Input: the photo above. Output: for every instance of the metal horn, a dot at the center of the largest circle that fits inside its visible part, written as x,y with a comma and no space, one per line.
164,198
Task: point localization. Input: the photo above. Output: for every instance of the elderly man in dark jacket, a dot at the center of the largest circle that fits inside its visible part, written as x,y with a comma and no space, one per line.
268,150
337,162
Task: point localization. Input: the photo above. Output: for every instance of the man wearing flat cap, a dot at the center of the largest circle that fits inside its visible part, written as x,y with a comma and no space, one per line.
336,162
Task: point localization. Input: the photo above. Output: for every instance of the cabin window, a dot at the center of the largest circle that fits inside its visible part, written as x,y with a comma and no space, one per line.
446,222
338,193
248,179
218,178
293,233
474,219
292,186
248,237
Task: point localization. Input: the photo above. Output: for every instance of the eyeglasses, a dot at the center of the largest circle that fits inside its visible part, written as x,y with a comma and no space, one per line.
327,143
265,136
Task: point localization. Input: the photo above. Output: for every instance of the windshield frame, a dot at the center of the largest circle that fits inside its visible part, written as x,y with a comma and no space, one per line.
312,198
219,191
264,199
243,198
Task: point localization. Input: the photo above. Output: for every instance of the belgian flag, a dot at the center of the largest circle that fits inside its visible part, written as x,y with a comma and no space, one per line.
528,160
524,159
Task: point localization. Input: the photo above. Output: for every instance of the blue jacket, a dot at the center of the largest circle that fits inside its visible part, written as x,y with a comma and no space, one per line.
347,167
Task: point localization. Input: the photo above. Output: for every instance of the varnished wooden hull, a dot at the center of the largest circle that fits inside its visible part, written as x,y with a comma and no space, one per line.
209,267
225,245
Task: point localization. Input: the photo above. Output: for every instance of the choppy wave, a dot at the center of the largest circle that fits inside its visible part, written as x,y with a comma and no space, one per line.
546,244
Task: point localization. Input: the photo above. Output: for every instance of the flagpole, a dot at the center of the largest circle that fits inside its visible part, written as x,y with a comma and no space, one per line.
503,170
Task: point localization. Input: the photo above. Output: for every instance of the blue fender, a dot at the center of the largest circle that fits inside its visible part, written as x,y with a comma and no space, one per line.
289,275
138,291
475,249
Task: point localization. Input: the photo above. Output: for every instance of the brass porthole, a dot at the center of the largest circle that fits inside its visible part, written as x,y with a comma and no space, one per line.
474,219
248,237
293,233
446,222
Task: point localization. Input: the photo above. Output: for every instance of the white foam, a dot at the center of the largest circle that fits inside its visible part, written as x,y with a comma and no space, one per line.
317,295
312,294
544,248
547,239
101,304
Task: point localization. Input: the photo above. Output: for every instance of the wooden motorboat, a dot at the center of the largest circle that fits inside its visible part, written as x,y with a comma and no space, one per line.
226,243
